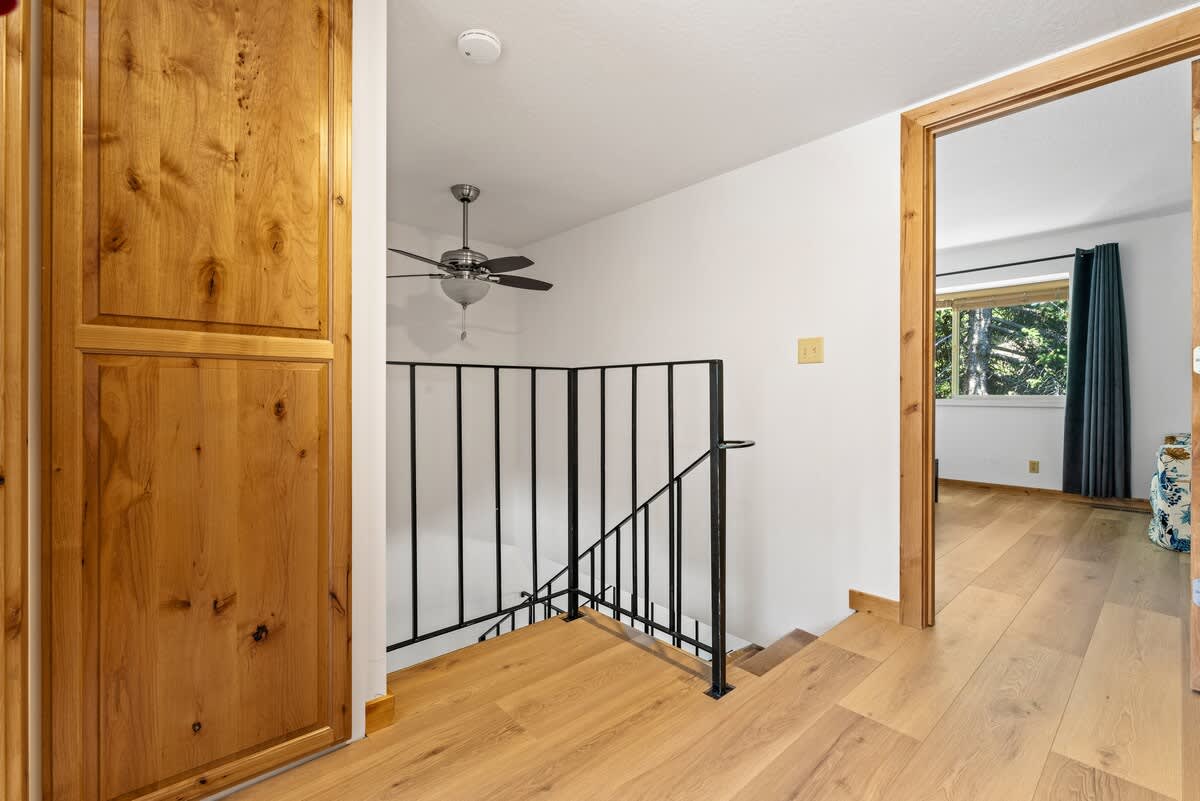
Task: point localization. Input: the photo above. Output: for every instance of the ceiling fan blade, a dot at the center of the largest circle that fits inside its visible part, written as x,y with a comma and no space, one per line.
437,264
419,275
520,282
506,264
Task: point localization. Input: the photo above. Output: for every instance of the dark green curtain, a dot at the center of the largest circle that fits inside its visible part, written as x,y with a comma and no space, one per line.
1096,438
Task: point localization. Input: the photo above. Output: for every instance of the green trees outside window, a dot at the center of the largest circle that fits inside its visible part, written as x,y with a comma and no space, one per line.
1002,348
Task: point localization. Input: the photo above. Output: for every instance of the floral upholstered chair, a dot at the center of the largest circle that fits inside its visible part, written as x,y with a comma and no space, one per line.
1171,494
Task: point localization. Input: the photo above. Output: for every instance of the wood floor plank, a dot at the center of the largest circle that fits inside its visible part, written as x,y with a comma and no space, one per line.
869,635
1063,519
914,687
1147,576
637,739
775,653
630,738
842,757
962,566
992,743
400,756
1062,612
1066,780
753,735
956,520
600,683
1124,716
1022,567
492,669
1101,537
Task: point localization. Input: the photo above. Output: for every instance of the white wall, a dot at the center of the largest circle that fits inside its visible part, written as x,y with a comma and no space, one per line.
994,440
368,331
737,267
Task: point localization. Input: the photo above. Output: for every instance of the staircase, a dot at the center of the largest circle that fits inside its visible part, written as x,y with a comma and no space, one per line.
614,574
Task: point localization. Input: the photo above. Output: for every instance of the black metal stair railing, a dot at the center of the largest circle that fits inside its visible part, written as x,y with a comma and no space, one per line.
599,546
542,594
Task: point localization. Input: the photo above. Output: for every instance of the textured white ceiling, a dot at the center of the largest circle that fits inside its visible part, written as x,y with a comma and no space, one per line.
1118,152
596,106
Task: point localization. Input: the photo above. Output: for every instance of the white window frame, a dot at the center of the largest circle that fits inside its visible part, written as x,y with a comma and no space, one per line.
1000,295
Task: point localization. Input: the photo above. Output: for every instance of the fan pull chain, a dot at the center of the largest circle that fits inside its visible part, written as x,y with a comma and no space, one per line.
463,336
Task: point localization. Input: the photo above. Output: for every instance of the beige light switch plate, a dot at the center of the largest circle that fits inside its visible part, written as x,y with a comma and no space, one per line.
810,350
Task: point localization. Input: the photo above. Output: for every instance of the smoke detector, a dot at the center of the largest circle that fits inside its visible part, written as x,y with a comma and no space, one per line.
479,46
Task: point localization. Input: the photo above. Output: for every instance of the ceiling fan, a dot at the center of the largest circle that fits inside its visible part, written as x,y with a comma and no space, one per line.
467,274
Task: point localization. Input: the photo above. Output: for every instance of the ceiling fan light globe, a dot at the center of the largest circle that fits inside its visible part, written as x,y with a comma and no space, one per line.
465,291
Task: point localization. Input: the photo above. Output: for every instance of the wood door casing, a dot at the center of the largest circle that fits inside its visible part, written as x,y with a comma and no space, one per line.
197,316
14,394
1193,622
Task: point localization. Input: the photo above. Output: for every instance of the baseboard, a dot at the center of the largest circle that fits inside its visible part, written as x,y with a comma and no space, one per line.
870,604
381,713
1124,504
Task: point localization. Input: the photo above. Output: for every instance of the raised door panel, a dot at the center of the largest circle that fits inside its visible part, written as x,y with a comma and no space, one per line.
212,542
210,180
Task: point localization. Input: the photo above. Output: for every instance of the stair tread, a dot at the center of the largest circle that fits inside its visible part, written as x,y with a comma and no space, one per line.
495,667
745,652
777,652
679,657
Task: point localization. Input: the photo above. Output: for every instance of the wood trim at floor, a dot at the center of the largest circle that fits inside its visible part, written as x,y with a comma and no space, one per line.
876,605
1125,504
381,713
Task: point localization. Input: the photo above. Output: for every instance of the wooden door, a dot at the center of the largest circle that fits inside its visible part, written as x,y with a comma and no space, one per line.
14,389
197,317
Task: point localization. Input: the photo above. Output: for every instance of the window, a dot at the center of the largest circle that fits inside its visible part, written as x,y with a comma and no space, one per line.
1001,341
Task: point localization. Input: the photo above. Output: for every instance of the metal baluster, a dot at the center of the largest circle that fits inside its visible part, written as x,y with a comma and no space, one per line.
716,466
459,422
592,575
533,475
633,548
572,496
603,529
649,605
496,448
679,553
412,488
633,492
672,568
617,584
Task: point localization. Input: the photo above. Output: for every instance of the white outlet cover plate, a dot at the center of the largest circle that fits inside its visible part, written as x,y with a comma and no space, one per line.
1196,360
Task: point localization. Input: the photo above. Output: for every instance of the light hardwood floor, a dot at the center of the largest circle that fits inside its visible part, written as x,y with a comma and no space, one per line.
1055,673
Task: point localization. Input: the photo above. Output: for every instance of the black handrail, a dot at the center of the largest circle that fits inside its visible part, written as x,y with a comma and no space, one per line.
640,606
495,630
